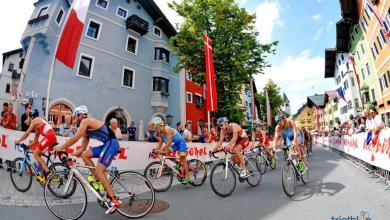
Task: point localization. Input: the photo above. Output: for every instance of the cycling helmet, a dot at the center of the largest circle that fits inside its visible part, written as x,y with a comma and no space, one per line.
279,117
157,121
83,110
34,113
222,120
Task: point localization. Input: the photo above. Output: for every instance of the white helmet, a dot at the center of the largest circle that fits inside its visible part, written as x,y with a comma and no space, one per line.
83,110
157,121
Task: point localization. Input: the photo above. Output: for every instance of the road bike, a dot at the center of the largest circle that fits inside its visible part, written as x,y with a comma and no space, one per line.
131,188
223,174
291,174
160,173
264,159
22,169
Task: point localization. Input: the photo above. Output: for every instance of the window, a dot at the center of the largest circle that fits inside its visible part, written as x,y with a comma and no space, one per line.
198,101
128,78
356,30
346,86
381,39
387,20
343,74
368,12
357,103
347,66
338,80
161,85
157,31
352,82
93,30
361,45
365,24
385,82
339,62
52,118
121,12
102,4
8,88
59,16
337,67
43,11
85,66
381,83
11,67
189,76
368,69
161,54
342,57
358,54
362,70
388,74
189,97
373,95
131,45
374,50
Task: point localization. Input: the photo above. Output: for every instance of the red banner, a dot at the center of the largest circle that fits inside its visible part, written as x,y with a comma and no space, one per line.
211,94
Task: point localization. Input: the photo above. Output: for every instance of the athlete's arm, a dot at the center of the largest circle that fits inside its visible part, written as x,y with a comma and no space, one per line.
277,136
232,142
294,129
219,144
84,145
81,132
28,132
169,139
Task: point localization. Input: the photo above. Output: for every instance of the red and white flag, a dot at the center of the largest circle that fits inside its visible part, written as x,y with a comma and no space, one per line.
71,34
211,95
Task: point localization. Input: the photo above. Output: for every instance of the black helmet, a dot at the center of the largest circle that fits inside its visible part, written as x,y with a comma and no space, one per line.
34,113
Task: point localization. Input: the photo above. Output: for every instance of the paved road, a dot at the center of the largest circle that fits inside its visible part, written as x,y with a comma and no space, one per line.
336,188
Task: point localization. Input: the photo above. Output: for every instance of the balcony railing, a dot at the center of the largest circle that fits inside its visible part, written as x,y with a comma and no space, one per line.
38,19
137,24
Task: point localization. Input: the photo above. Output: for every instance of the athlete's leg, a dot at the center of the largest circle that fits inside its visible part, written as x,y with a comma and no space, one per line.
238,154
41,163
86,156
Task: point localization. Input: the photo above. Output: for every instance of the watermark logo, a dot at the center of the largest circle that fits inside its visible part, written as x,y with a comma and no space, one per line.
364,215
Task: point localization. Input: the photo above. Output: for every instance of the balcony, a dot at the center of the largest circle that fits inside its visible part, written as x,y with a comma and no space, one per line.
137,24
38,19
159,101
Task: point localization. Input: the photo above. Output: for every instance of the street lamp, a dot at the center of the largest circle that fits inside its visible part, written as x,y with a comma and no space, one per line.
169,119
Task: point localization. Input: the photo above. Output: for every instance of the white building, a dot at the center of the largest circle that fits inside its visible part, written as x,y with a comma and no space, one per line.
286,104
11,69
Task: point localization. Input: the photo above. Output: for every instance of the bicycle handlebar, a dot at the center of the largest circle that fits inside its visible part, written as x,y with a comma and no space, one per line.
20,147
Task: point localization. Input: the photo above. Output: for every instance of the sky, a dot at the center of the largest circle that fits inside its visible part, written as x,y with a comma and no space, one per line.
304,28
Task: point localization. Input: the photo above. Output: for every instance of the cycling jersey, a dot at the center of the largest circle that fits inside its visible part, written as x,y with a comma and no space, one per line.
178,143
260,136
49,136
110,147
242,139
288,136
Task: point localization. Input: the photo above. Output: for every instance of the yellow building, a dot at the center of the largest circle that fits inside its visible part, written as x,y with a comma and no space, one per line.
304,118
378,48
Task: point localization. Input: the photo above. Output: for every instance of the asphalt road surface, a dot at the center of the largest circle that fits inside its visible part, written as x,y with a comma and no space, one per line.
336,190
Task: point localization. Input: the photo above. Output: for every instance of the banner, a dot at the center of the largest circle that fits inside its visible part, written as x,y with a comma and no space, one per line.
355,145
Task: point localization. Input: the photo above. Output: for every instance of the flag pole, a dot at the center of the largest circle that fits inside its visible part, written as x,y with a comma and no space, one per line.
208,120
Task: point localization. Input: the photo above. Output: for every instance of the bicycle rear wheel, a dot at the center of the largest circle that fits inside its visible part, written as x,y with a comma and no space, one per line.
288,179
59,203
253,167
222,179
305,174
21,175
62,176
198,172
160,176
135,192
262,164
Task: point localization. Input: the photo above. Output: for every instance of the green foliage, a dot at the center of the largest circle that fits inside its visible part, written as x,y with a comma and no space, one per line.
237,52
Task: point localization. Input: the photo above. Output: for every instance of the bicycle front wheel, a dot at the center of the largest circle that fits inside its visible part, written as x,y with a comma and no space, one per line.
222,179
21,175
160,176
135,192
198,172
58,199
288,178
305,174
255,174
262,164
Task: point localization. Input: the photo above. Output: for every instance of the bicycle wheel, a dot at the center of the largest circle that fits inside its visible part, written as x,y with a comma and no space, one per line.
65,207
62,173
160,176
288,179
222,179
305,174
272,165
262,164
21,175
253,167
198,172
135,192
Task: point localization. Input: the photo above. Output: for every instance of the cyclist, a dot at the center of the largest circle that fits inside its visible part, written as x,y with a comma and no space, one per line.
289,132
239,140
90,128
173,142
40,127
261,134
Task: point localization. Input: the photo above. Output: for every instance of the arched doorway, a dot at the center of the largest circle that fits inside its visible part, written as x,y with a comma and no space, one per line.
121,115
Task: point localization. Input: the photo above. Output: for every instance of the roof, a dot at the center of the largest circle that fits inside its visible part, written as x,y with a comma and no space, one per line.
330,60
285,99
343,33
300,110
316,100
349,10
9,53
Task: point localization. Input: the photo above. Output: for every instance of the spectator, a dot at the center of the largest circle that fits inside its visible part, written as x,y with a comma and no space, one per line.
25,120
132,130
179,128
353,122
67,129
5,108
187,134
362,125
114,127
376,124
151,134
9,118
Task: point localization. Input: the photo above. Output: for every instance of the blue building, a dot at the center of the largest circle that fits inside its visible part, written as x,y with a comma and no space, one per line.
124,65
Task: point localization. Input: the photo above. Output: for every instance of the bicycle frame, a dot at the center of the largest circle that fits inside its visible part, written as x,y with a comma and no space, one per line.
163,160
27,160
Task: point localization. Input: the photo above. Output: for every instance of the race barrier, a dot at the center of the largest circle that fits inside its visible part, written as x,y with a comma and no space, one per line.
134,155
355,145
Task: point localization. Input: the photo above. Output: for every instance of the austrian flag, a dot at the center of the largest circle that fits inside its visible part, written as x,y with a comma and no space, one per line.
71,34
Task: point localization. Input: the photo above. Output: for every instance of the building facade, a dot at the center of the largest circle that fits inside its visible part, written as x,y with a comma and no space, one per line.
123,68
10,75
304,118
286,104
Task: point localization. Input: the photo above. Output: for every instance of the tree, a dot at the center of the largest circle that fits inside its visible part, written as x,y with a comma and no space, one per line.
237,52
275,100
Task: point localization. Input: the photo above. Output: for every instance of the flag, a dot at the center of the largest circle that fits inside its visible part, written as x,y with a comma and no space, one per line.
332,93
340,93
71,34
352,59
211,96
269,113
380,21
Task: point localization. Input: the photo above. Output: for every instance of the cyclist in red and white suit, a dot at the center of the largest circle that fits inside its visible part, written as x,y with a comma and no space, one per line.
40,127
239,140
